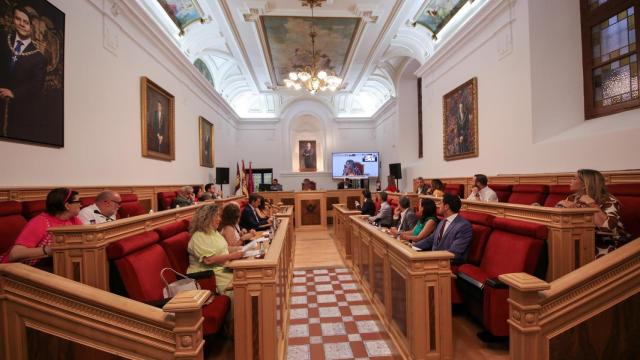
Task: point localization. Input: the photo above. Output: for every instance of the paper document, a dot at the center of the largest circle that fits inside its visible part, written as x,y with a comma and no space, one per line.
416,248
252,253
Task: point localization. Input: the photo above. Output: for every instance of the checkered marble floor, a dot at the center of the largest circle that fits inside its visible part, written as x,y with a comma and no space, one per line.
331,318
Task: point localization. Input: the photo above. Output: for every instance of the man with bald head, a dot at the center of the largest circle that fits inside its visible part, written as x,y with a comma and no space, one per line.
103,210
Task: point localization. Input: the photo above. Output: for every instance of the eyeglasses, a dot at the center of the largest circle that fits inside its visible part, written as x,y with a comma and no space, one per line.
116,202
74,202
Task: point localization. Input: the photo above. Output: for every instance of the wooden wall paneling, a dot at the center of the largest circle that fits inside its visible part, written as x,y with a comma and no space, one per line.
317,200
541,311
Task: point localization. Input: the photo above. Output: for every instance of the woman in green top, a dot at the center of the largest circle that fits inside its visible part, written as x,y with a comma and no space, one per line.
208,250
425,225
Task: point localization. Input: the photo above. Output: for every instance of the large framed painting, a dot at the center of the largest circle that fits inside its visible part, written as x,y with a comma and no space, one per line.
206,141
158,121
307,151
32,72
435,14
460,121
182,12
288,45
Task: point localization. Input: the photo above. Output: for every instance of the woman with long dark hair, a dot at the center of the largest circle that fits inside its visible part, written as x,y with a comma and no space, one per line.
425,225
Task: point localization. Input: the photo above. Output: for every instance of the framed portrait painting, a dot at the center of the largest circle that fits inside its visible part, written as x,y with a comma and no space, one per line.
206,141
307,151
32,72
158,121
460,121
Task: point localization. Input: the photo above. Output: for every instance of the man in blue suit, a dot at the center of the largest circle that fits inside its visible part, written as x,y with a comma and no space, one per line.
452,234
249,219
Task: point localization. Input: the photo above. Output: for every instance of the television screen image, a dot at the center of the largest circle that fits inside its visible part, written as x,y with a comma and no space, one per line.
355,165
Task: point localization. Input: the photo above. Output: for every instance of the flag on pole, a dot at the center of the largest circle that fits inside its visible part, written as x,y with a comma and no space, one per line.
238,188
245,190
250,179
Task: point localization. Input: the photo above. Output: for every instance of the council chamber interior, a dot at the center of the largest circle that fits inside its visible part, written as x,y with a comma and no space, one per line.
319,179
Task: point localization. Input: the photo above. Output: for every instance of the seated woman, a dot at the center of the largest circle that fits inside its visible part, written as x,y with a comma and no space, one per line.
264,210
590,191
230,228
368,207
33,245
197,193
425,225
208,250
437,188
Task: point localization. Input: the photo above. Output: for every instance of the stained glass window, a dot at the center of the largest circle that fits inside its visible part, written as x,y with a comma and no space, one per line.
611,61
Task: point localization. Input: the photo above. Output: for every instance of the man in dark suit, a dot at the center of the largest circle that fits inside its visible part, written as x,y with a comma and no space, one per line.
22,74
452,234
249,219
405,218
157,134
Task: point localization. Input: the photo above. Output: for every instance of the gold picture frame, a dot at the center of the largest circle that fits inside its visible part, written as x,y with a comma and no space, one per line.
460,122
157,121
206,140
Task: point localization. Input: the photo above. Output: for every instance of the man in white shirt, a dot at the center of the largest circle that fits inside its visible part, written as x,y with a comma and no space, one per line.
103,210
481,191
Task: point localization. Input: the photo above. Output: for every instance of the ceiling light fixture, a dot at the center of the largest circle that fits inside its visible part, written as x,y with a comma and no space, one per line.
310,77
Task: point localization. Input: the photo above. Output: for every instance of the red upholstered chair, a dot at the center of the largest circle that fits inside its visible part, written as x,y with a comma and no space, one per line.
513,246
481,225
11,224
33,208
164,199
174,239
503,191
629,197
86,201
454,189
242,203
139,260
528,194
130,206
556,194
393,202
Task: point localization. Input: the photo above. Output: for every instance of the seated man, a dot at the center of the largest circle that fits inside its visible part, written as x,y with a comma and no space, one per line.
384,216
210,192
452,234
249,219
103,210
480,190
405,218
275,186
423,187
184,198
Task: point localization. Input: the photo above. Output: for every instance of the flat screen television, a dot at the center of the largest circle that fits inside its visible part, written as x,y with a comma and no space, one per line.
355,165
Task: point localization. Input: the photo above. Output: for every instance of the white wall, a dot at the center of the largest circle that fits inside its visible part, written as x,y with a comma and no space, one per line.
528,63
102,110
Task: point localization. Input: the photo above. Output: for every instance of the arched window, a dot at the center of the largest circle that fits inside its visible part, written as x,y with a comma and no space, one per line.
204,70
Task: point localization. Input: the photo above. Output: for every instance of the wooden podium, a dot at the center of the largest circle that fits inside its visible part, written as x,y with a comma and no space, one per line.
311,210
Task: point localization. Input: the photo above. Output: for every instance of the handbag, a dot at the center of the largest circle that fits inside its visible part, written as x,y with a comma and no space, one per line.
184,284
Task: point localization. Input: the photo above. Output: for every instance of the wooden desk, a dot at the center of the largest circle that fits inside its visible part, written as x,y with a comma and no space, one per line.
311,210
261,301
410,290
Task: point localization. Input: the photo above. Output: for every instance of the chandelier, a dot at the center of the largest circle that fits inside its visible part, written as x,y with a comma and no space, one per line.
310,77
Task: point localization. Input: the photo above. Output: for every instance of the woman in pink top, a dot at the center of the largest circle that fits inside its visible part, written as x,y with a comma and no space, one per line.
34,242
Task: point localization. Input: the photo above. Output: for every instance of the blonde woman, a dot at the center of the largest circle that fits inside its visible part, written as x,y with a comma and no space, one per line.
208,250
589,190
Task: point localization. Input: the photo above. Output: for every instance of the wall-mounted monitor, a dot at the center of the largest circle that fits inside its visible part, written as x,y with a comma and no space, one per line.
355,165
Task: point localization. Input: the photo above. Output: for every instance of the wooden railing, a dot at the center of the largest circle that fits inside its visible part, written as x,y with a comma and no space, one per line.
79,252
147,194
611,177
411,291
591,313
261,300
342,230
45,316
571,240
